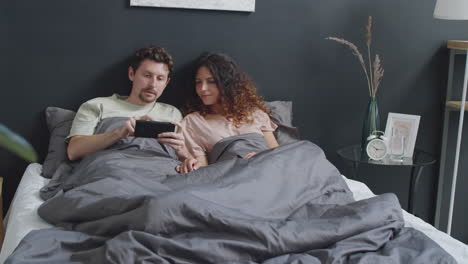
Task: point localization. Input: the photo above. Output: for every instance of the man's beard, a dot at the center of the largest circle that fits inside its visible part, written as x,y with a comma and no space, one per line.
146,100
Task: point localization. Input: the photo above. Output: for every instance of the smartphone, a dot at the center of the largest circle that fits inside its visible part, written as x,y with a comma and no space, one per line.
151,129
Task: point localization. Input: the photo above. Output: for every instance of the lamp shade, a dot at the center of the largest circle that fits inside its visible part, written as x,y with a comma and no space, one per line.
451,9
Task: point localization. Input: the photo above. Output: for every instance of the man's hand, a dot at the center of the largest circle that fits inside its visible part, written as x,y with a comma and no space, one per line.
128,128
188,165
176,140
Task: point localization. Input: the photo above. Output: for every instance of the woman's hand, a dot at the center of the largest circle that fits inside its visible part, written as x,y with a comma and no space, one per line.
249,155
188,165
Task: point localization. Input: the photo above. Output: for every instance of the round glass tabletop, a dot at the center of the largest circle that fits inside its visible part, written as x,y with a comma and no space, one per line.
353,154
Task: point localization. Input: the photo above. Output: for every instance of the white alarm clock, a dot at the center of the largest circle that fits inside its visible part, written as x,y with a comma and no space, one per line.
377,147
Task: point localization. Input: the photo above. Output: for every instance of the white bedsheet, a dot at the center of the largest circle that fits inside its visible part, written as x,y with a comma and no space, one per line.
22,216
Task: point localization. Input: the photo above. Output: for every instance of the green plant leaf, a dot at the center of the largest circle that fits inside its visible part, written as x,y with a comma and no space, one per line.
16,144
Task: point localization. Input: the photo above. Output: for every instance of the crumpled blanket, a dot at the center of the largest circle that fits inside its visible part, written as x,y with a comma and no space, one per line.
127,204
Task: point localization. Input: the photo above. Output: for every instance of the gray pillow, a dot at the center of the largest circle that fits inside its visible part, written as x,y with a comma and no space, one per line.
59,122
282,115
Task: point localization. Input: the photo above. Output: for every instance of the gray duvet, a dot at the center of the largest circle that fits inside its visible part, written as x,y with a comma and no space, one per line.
127,204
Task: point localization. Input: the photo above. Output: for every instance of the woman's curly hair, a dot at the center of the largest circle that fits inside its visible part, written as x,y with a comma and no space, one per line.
238,96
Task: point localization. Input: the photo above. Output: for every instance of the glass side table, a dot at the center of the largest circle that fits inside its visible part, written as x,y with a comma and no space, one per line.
352,157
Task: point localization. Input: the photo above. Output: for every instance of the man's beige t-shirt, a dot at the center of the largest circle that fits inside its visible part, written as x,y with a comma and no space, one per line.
93,111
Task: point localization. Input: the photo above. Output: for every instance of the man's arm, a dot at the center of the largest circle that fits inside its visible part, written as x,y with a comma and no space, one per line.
79,146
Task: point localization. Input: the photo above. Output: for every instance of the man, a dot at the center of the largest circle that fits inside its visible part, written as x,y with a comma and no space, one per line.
149,72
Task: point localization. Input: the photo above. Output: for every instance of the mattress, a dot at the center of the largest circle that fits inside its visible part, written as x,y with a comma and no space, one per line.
22,216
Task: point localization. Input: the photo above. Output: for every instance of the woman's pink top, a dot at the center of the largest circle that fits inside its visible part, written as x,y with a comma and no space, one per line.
202,134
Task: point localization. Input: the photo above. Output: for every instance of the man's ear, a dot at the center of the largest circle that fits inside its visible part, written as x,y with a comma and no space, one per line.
131,73
168,80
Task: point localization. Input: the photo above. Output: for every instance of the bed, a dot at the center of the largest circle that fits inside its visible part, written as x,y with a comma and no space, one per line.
22,216
218,204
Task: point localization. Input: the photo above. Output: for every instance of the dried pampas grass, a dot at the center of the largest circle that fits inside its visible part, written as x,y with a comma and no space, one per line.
375,73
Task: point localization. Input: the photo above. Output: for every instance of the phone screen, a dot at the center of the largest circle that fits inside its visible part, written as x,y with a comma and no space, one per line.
151,129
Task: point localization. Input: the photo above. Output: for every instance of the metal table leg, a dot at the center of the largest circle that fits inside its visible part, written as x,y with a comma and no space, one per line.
355,164
415,174
355,170
354,167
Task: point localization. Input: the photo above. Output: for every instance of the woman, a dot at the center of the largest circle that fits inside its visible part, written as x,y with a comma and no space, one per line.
223,104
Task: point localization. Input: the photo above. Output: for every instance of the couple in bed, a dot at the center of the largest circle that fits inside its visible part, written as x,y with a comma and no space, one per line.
287,205
222,103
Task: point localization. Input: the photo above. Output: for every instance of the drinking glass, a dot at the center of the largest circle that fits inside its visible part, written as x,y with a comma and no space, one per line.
397,145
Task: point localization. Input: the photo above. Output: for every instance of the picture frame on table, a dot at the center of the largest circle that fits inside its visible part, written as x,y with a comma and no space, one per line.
403,125
226,5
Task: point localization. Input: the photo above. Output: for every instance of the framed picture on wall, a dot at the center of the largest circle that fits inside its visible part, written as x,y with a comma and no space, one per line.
405,127
227,5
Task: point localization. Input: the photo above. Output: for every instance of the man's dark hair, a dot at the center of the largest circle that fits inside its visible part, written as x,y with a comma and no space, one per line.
153,53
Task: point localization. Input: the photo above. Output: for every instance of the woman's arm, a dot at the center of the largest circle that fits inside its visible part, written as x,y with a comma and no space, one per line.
270,139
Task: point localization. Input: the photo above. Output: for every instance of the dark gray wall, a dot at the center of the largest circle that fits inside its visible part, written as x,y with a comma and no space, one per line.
61,53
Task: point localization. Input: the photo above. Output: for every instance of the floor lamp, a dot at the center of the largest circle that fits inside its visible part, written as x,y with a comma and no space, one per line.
455,10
